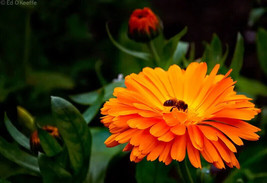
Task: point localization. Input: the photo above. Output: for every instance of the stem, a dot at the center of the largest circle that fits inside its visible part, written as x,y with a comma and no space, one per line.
184,172
26,65
188,172
153,50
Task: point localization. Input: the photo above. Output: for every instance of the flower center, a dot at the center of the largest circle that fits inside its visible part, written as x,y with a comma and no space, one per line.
174,103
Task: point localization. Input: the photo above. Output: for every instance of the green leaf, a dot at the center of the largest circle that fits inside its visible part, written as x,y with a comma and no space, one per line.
109,89
141,55
86,98
261,48
92,111
90,98
49,144
47,81
237,60
13,153
170,47
155,172
213,53
4,181
75,134
16,134
52,172
180,52
251,87
255,14
101,155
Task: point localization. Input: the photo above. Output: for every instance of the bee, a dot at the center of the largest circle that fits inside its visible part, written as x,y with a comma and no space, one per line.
175,103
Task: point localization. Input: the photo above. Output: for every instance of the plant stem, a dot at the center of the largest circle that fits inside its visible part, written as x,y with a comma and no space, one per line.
184,172
188,172
153,50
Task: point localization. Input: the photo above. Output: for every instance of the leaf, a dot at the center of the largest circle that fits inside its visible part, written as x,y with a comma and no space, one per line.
25,118
49,144
141,55
4,181
16,134
254,15
213,53
75,134
101,155
13,153
170,47
180,52
9,168
52,172
251,87
237,60
86,98
92,111
90,98
155,172
109,89
47,81
252,167
261,48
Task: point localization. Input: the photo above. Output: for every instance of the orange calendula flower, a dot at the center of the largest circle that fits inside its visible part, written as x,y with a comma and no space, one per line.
144,25
168,114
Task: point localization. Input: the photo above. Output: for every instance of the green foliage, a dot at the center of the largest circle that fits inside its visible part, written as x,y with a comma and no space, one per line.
52,171
155,171
237,60
75,134
101,155
252,87
261,48
140,55
49,144
16,134
213,53
13,153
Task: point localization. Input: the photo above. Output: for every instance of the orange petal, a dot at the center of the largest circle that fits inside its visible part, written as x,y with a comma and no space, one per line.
167,137
179,129
209,132
196,136
110,141
159,129
193,155
176,79
154,154
178,148
222,150
142,123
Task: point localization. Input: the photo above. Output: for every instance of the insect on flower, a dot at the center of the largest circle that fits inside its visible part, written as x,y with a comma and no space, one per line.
207,117
179,104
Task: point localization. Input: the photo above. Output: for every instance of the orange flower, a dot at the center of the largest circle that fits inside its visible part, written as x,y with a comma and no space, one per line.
166,114
143,25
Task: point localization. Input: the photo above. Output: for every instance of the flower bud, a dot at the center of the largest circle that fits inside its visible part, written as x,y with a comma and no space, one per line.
143,25
35,140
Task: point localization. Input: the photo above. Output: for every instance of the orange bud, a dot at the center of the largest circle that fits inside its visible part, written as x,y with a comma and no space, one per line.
143,25
35,141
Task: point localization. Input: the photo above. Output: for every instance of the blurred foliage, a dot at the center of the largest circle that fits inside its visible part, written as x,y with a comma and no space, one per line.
63,48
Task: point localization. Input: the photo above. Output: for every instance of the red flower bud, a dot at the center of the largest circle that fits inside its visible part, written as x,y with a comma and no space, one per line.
35,141
143,25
